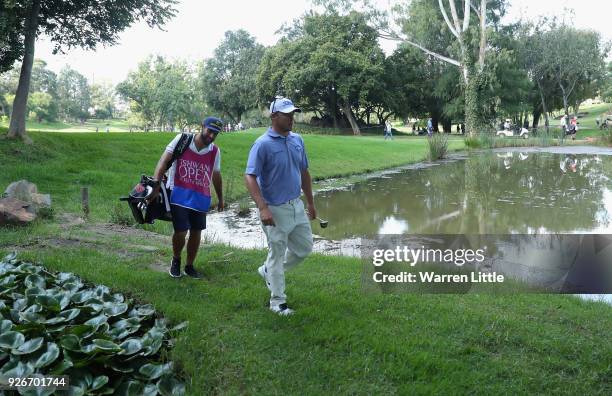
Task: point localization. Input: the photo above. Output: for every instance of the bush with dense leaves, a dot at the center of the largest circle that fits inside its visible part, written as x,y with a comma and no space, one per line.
54,324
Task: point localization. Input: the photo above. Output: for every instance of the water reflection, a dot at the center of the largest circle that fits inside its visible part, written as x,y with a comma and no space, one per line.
501,193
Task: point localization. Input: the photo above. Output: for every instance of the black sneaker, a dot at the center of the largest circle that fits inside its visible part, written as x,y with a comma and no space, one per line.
175,268
190,271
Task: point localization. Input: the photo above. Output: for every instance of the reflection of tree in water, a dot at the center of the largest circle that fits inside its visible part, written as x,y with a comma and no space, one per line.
484,194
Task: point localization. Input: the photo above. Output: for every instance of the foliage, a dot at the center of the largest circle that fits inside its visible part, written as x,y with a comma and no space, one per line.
163,94
103,100
330,64
82,23
74,94
42,107
438,146
77,23
228,79
55,324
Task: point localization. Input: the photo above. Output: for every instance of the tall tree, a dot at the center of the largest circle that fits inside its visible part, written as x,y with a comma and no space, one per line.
468,50
74,94
228,79
83,23
329,62
575,59
163,93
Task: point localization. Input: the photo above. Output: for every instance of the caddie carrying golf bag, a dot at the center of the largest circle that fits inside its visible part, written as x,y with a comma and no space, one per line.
159,208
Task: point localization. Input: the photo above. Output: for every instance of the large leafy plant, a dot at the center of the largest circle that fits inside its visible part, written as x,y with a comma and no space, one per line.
55,324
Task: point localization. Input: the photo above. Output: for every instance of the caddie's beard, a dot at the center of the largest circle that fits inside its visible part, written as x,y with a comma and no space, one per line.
205,139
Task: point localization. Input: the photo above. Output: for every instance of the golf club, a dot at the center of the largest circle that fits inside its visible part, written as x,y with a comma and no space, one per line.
323,223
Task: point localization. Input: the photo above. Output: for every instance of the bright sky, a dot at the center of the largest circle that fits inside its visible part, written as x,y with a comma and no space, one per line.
199,26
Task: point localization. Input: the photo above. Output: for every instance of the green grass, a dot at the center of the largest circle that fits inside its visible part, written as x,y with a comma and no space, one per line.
114,125
342,340
111,164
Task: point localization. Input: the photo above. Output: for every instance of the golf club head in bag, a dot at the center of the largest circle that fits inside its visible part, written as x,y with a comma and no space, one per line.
147,213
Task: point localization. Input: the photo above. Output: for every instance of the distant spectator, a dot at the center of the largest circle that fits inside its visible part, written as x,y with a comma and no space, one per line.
429,127
388,130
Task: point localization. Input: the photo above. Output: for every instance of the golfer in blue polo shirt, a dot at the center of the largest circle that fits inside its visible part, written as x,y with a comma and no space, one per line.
276,173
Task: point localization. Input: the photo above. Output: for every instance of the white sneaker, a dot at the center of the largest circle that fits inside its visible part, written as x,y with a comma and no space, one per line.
282,309
263,272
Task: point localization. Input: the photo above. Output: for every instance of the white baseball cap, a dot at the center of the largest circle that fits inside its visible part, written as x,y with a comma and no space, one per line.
284,105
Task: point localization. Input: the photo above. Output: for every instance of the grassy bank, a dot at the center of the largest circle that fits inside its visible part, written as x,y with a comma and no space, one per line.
110,164
342,341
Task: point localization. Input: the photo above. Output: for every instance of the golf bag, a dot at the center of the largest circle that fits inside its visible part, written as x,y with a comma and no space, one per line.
147,213
159,208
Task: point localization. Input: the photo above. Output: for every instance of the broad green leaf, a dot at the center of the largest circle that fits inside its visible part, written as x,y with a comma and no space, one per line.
169,386
154,371
125,323
16,368
70,314
11,340
145,310
114,309
49,356
106,345
10,257
34,291
82,330
49,303
97,320
31,317
130,346
82,296
70,342
59,368
72,287
5,326
100,290
99,382
130,388
28,346
20,304
150,390
120,366
35,280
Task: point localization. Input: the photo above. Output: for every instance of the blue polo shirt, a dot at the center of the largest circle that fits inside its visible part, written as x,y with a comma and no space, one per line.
278,162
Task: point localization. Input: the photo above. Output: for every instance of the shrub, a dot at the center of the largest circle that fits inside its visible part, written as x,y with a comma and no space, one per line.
120,214
54,324
438,146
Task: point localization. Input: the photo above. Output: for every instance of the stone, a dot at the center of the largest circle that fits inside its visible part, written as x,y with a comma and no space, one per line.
27,192
21,190
15,211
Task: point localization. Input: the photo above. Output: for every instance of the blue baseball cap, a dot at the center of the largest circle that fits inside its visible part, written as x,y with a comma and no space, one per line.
213,123
284,105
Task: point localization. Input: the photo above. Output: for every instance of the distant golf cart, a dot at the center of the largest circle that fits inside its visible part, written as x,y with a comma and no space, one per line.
509,130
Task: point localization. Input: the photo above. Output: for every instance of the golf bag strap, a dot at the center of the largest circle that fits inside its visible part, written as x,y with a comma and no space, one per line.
165,197
181,146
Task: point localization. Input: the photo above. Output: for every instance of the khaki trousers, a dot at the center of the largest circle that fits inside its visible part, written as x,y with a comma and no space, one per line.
289,242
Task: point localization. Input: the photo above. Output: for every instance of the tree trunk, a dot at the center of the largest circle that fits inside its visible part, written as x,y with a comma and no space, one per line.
17,126
544,110
447,125
346,108
536,118
472,121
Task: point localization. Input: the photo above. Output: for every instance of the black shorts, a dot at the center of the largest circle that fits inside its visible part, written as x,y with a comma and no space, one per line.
184,219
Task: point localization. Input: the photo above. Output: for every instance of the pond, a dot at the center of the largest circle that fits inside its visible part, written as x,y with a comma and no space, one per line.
565,190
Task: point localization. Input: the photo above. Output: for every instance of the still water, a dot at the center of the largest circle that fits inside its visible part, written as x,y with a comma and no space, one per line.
529,191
